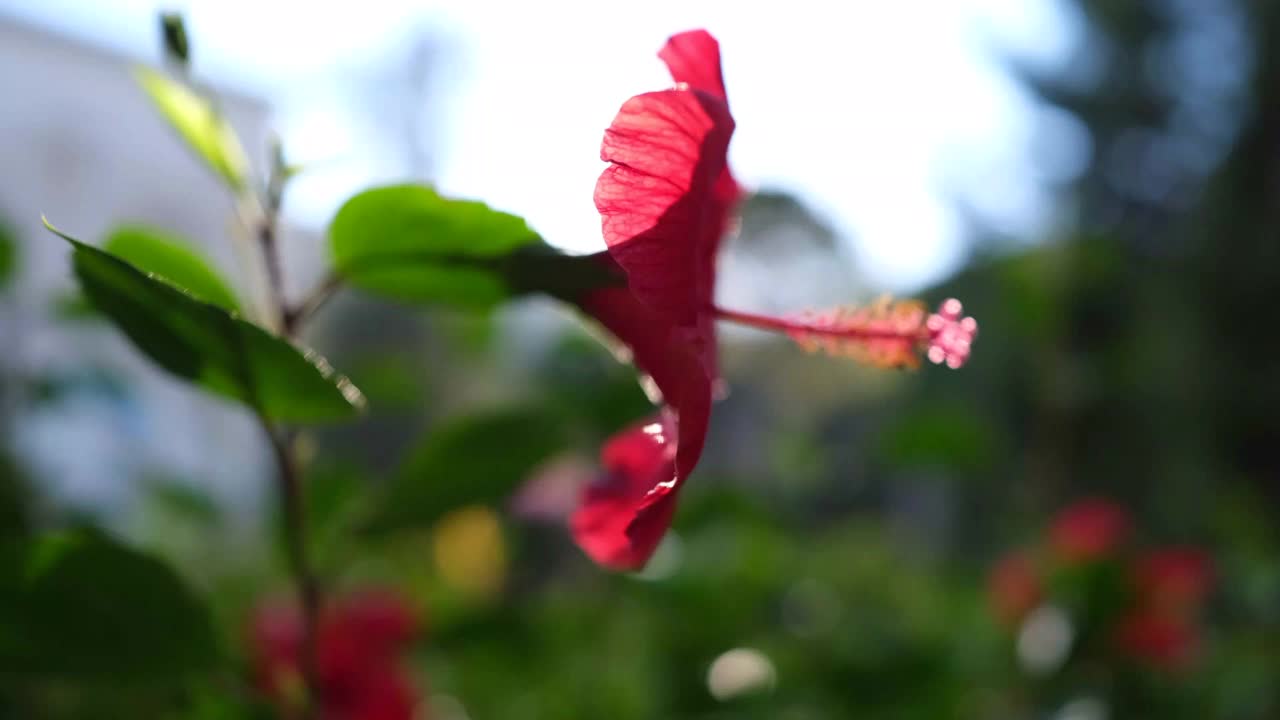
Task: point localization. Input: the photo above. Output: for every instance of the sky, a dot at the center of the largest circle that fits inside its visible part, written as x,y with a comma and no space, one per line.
879,115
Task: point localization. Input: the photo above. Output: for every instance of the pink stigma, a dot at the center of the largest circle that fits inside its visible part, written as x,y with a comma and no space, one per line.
950,336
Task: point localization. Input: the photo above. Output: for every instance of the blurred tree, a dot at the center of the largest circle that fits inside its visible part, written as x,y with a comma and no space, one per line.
1127,357
1152,380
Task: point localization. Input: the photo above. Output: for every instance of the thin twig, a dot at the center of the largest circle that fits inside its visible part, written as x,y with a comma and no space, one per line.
283,445
295,532
268,240
269,235
297,316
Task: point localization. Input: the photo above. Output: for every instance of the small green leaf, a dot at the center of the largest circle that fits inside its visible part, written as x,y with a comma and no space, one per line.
408,243
173,260
195,119
475,460
206,345
81,605
173,34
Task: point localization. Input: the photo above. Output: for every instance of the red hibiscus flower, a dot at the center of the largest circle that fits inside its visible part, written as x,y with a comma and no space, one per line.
665,202
1088,530
360,640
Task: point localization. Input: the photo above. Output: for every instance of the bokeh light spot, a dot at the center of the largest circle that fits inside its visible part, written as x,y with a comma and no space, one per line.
739,672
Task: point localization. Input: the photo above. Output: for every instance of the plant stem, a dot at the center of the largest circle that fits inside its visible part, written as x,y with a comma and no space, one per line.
284,447
297,315
295,535
269,242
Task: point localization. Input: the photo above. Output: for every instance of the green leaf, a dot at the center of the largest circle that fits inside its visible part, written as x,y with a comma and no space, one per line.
408,243
479,459
173,260
206,345
196,120
79,605
173,35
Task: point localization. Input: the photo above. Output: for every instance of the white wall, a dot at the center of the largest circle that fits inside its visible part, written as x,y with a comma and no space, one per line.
80,143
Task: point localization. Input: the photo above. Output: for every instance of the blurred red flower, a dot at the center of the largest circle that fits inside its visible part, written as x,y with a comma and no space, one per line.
665,202
1162,640
1173,578
1170,585
1156,624
1088,530
1014,588
358,650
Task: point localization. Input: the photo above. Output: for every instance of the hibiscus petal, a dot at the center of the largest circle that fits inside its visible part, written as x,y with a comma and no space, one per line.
663,355
693,57
624,515
661,201
617,524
